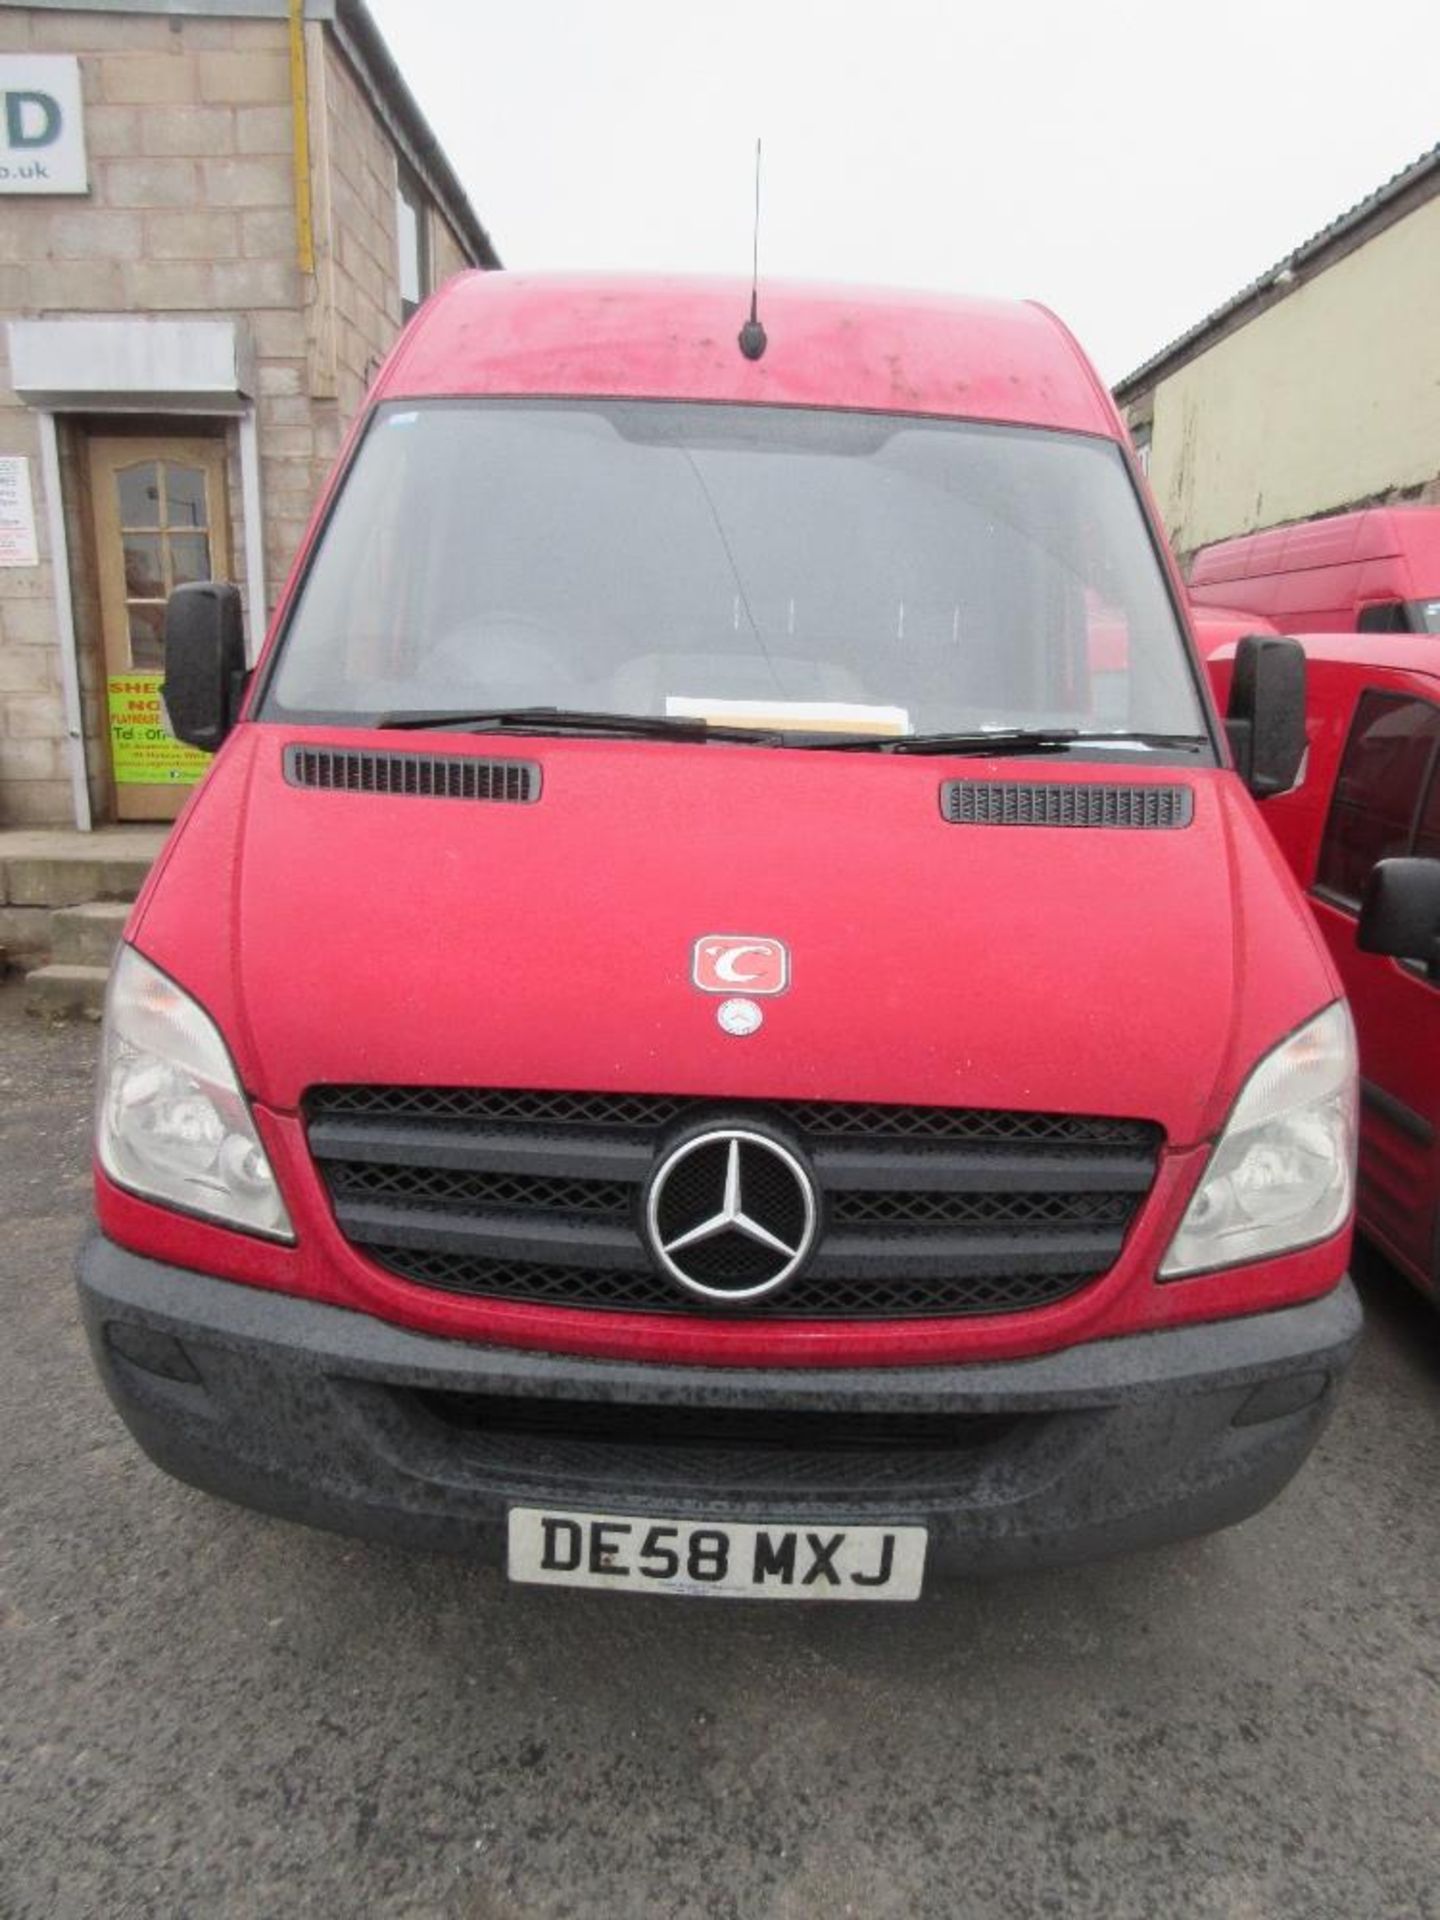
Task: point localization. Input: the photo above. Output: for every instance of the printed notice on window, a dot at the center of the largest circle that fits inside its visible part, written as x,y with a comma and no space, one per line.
17,513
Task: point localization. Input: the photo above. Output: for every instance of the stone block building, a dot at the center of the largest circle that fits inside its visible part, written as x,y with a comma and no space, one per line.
215,216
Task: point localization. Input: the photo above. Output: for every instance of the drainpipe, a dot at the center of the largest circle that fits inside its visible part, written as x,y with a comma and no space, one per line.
64,619
300,115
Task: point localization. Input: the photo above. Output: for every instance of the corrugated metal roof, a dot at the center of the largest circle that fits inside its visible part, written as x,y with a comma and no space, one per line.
1340,228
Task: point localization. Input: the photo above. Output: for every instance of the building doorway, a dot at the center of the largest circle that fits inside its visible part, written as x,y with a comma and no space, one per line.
161,519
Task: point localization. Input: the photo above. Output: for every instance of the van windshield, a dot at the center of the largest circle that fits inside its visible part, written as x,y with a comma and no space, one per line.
785,567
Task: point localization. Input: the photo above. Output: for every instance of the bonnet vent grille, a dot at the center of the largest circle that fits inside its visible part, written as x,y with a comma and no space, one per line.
427,776
1049,803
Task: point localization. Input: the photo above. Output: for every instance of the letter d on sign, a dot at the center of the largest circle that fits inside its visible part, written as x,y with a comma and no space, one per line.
42,124
557,1532
31,120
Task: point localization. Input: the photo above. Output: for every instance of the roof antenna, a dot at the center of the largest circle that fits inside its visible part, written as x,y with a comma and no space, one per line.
752,335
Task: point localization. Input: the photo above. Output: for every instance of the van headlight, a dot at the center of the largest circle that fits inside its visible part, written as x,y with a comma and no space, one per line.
171,1122
1282,1173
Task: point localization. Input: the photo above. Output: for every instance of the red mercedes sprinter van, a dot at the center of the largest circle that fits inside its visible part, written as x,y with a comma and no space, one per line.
1375,571
1362,835
675,1045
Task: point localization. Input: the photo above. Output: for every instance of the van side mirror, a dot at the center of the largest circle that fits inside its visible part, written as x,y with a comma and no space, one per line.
204,662
1400,912
1266,717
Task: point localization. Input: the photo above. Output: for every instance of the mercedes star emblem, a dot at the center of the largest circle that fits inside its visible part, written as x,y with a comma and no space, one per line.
731,1214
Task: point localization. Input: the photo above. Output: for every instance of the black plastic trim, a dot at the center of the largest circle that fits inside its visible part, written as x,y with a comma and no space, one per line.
467,1149
1056,803
411,776
308,1411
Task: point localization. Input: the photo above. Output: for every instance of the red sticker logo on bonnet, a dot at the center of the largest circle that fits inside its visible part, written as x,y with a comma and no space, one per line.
741,963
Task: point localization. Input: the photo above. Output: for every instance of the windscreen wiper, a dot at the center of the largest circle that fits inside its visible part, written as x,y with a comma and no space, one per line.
1013,740
633,726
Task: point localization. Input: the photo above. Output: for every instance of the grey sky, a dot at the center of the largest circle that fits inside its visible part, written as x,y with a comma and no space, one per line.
1130,164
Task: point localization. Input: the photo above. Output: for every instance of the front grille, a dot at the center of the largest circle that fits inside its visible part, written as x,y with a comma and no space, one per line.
480,1192
895,1296
804,1461
535,1197
602,1422
905,1211
649,1112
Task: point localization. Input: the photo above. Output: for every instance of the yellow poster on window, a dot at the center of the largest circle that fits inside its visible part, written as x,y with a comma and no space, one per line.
143,751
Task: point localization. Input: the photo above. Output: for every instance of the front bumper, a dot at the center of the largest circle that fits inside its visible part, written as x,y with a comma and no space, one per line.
346,1422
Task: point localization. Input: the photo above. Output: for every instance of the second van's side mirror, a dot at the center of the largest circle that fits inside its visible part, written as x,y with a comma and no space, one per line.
1266,717
204,662
1400,912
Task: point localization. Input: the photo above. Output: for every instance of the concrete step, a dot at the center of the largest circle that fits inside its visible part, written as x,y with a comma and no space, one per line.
43,868
62,992
24,936
86,936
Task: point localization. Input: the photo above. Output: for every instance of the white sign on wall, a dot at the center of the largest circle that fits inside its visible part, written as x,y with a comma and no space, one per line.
17,513
42,126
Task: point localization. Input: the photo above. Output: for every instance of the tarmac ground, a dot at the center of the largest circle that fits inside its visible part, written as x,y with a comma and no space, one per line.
207,1712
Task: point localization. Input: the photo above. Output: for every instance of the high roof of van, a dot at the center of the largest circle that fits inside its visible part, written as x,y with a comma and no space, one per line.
1340,539
673,338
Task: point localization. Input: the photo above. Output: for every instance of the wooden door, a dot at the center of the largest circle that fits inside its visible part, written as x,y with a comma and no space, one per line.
161,519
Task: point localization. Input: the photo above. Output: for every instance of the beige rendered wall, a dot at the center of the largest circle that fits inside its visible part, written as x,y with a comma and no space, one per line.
1328,398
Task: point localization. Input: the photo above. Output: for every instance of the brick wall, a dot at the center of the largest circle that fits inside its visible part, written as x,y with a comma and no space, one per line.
188,125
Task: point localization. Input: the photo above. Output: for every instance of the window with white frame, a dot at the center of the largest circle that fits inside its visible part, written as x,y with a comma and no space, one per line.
412,225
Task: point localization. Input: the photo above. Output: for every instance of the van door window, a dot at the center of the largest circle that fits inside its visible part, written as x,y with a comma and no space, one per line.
1427,837
1385,616
1390,755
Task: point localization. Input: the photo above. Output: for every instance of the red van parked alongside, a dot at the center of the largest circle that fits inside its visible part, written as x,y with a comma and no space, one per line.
1216,628
1362,833
1375,571
683,1042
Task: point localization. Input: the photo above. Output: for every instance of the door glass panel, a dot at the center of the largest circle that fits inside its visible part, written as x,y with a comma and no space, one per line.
189,557
1387,758
1387,616
144,566
139,490
1427,840
185,492
147,637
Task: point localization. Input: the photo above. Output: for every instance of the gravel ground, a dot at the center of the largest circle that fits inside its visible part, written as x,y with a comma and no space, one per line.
207,1712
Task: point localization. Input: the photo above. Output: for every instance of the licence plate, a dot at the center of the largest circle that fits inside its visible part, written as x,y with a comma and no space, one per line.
722,1559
